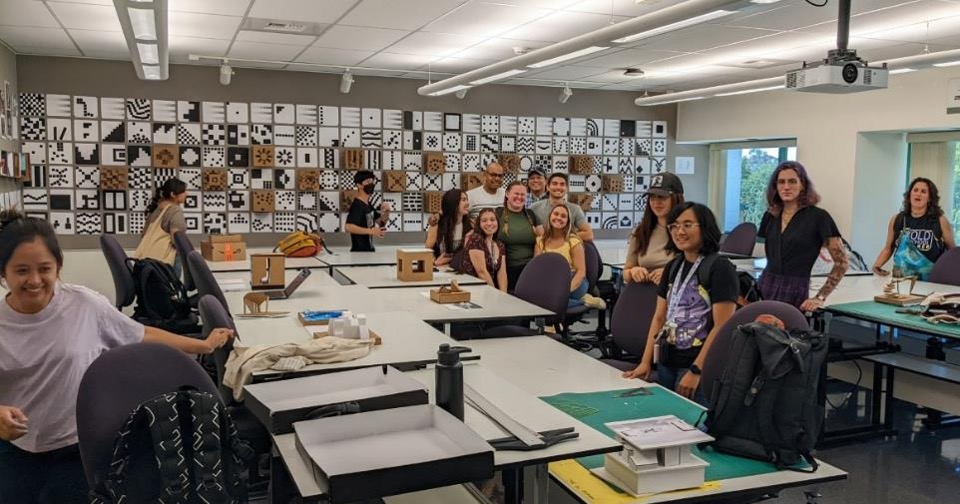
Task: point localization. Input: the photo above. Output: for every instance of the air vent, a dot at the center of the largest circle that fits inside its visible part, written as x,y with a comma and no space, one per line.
868,77
791,80
285,27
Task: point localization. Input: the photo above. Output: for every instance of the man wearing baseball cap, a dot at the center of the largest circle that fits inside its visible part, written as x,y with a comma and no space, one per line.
536,186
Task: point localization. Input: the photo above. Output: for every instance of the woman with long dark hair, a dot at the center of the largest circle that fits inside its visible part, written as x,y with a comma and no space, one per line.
164,218
485,254
795,230
445,238
918,235
647,253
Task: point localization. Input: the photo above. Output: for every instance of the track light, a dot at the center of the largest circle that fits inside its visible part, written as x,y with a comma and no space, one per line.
346,82
226,73
566,93
462,93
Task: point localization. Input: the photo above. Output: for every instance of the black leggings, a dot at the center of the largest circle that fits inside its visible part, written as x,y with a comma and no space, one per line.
513,274
54,477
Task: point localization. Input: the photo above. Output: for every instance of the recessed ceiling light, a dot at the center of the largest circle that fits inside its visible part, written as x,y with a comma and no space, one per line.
143,22
902,71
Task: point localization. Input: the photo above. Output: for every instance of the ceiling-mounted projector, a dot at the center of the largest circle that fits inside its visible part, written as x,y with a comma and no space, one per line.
842,71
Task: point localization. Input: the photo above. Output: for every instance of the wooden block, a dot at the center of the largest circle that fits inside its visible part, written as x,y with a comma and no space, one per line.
308,180
395,181
214,179
264,201
581,165
114,177
263,156
434,163
612,183
165,156
582,200
470,181
351,159
432,200
510,163
346,199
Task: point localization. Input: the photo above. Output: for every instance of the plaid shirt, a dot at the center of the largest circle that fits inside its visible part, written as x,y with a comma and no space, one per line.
531,199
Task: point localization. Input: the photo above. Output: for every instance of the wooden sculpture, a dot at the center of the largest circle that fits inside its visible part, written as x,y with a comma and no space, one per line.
892,295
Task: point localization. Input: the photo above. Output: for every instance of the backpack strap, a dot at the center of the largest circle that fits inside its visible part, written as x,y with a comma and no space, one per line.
706,267
206,415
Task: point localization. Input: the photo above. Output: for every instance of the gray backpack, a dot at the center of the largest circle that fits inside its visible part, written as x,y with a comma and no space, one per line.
766,405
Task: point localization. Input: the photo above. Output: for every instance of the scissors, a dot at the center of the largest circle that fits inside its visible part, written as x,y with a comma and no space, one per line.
549,437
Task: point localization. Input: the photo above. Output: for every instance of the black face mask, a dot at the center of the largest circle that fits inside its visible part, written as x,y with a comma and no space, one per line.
368,189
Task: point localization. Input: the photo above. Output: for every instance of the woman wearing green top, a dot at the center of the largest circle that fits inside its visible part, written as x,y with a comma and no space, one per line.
518,231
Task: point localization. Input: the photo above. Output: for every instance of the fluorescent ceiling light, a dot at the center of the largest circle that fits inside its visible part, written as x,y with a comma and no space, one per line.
504,75
148,54
764,1
748,91
684,99
447,91
143,23
947,64
569,56
902,71
151,72
673,26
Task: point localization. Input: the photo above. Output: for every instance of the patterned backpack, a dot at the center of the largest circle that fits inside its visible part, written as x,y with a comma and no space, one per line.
196,452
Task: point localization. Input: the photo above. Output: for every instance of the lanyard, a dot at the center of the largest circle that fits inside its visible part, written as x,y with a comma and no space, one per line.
676,292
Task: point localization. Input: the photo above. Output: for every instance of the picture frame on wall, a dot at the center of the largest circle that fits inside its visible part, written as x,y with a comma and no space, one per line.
24,174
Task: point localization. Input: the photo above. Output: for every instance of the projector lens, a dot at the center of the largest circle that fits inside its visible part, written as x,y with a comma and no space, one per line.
850,73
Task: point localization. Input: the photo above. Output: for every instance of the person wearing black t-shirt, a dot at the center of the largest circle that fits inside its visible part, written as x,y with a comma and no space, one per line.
795,230
918,235
692,303
364,221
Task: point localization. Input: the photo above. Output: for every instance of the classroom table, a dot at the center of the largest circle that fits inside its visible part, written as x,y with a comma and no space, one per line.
318,281
384,255
244,265
407,341
385,277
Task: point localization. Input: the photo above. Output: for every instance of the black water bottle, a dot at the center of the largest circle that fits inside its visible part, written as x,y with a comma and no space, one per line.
449,379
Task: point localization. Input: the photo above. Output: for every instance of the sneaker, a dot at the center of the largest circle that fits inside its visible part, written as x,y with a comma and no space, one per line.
594,302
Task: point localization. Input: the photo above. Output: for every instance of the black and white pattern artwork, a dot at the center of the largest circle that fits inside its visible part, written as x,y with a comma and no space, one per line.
164,133
58,105
262,134
188,112
238,134
237,113
164,111
261,113
284,135
138,109
212,112
113,154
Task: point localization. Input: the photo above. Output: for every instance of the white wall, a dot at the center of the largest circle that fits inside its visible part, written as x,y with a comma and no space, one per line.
826,128
881,164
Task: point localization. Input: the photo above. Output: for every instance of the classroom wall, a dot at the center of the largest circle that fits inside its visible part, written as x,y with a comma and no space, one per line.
827,128
83,77
8,72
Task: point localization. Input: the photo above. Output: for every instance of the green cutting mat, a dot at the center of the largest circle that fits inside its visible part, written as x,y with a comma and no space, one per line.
598,408
887,314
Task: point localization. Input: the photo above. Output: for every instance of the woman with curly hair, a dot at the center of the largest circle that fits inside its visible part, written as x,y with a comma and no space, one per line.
918,235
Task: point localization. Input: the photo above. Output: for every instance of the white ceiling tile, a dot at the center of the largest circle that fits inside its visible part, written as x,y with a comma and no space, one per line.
630,8
703,37
37,38
222,7
180,47
567,72
886,51
626,58
785,17
918,32
333,56
26,14
86,17
99,44
358,38
458,65
772,45
541,4
274,38
325,11
499,48
255,50
432,44
483,19
561,26
397,61
94,2
188,24
405,15
255,64
49,51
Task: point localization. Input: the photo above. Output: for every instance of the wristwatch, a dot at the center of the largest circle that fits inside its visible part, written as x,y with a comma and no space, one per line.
695,369
821,298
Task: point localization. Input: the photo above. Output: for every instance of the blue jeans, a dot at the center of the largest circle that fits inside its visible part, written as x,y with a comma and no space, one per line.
577,294
669,378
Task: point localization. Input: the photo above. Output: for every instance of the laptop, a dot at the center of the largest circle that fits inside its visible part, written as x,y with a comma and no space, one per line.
290,288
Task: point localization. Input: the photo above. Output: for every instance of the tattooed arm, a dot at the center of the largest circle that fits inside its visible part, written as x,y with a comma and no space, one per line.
840,265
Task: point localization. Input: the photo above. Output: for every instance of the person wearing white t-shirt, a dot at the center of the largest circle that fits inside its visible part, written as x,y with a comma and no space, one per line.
50,333
490,194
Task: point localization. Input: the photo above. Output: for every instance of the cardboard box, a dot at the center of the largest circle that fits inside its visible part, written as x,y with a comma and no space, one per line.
510,163
267,271
434,163
414,265
351,159
219,248
279,404
389,452
449,297
581,165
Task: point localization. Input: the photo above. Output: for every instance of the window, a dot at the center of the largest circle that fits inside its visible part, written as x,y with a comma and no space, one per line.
955,217
748,171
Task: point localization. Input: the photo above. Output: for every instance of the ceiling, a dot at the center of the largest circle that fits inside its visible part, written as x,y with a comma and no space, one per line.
454,36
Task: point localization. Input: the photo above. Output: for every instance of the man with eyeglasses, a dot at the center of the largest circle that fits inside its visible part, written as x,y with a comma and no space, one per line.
490,194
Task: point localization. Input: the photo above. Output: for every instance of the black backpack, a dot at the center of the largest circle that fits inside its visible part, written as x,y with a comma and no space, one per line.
747,289
162,300
194,453
765,405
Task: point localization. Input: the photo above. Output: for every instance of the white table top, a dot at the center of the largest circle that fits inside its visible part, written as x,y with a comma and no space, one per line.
863,288
289,263
318,281
382,277
384,255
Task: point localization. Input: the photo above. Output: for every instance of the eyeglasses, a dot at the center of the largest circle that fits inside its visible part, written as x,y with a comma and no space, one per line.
686,226
494,175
